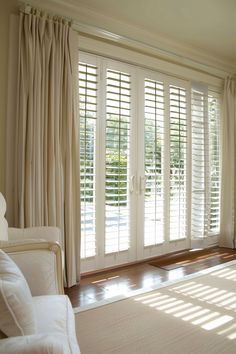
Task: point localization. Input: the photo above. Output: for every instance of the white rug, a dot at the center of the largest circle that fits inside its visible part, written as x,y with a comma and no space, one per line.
191,316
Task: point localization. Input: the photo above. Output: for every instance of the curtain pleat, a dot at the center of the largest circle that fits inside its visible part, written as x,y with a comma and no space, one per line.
228,198
47,149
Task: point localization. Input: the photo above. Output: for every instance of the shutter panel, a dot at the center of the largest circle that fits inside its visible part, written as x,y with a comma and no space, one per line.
205,163
199,163
118,95
178,162
214,168
154,162
88,117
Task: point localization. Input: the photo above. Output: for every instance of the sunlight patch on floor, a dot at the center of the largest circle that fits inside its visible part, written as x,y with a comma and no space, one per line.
217,323
226,273
175,303
211,295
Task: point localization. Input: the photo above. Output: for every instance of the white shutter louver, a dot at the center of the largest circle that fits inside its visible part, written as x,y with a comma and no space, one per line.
88,116
154,162
199,171
214,168
178,162
205,164
118,95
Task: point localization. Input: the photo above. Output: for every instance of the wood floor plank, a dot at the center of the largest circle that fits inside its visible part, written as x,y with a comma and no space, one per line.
106,284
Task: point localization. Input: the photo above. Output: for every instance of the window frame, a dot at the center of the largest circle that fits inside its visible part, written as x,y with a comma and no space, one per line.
138,251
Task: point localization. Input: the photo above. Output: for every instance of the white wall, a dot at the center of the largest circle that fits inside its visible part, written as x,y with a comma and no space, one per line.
7,7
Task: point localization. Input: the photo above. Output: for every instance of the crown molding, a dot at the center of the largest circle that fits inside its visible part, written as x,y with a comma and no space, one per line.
157,52
87,21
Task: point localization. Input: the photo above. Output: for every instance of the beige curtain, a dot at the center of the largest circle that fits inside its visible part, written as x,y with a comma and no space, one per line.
47,151
228,202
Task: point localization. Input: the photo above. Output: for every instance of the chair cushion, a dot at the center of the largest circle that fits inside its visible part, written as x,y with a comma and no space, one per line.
54,314
16,303
3,221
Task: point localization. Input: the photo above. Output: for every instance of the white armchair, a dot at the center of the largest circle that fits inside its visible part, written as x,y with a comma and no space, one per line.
35,315
45,239
38,324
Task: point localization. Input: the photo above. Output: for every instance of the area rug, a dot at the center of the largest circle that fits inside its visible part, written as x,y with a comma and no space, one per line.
198,257
193,316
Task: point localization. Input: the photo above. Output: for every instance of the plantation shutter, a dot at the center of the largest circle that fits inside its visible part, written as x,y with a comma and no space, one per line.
88,118
154,162
117,208
199,162
178,162
214,158
205,163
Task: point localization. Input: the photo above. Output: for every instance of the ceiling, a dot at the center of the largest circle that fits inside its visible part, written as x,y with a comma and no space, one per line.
206,25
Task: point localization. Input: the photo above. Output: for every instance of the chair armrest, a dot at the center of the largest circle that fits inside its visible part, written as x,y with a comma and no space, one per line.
41,264
38,344
48,233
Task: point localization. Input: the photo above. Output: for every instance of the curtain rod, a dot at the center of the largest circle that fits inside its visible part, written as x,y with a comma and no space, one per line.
27,9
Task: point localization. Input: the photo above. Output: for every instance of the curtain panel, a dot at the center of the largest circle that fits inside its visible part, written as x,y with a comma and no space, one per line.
47,132
228,197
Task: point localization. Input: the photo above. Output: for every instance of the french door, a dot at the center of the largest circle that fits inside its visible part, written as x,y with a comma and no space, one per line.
107,163
135,163
164,167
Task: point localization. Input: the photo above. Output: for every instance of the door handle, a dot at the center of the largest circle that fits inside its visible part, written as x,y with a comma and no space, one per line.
131,184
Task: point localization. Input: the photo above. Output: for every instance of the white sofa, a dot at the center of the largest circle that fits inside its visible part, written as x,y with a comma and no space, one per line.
37,264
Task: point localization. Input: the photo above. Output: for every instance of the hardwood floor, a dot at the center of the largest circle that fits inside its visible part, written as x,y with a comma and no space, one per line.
107,284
